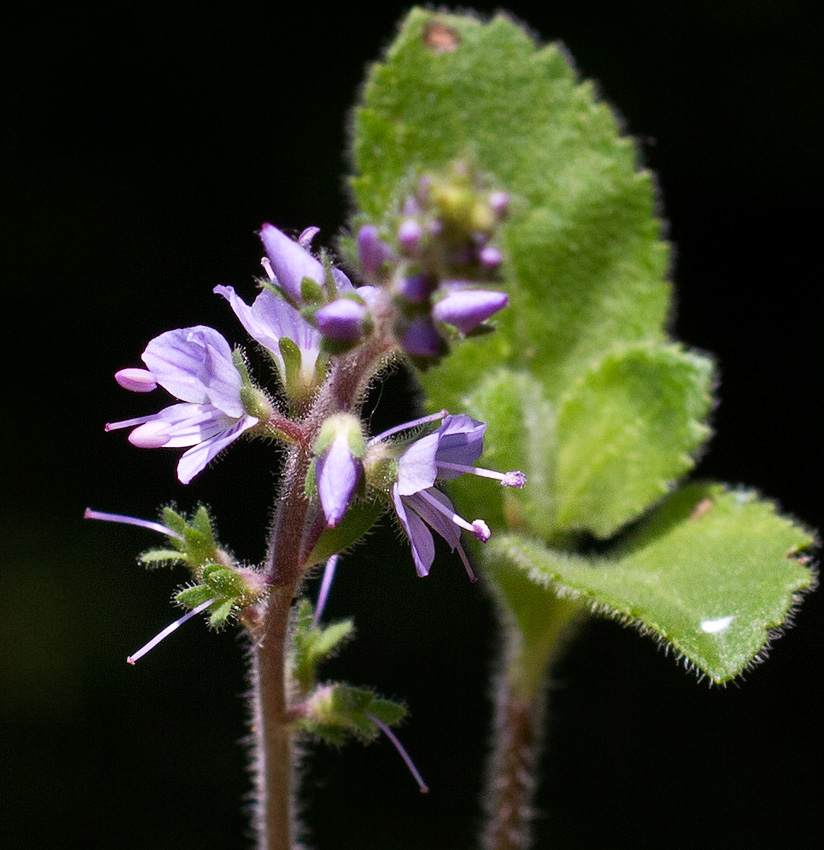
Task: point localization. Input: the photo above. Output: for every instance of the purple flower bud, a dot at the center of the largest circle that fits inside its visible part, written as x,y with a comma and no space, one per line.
416,289
337,474
371,251
490,257
342,320
410,234
421,338
499,203
465,309
136,380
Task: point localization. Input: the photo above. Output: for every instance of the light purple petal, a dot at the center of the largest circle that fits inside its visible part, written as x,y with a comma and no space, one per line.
196,459
337,474
342,282
461,441
290,262
269,319
189,424
438,521
465,309
417,468
195,365
420,539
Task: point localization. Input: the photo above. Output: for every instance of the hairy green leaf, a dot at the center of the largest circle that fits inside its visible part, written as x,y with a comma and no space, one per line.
584,257
712,572
627,429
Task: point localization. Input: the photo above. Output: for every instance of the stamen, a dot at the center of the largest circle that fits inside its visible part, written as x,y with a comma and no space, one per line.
481,530
130,520
467,566
325,584
507,479
401,751
407,425
267,267
126,423
456,518
168,630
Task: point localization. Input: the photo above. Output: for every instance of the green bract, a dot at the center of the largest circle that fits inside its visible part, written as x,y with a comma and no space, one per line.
580,385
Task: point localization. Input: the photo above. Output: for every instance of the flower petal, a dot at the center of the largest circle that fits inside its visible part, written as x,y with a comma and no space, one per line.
420,539
417,468
189,424
195,365
271,318
461,441
196,459
290,262
438,521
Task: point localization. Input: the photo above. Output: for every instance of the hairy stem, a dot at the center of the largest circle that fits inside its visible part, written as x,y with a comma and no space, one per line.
519,723
274,756
295,530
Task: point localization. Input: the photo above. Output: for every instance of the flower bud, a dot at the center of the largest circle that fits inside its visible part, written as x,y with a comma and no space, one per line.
410,234
421,338
465,309
339,448
371,251
342,320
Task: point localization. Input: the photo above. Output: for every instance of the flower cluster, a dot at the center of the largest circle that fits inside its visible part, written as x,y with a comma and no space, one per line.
307,312
437,260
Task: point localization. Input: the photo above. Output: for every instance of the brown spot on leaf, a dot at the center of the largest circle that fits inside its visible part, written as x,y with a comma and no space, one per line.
440,38
701,509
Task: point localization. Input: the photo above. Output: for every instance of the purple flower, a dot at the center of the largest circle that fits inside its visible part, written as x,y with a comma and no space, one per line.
271,319
195,365
444,454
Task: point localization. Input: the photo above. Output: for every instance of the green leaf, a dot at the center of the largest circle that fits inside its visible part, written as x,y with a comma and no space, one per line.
153,557
174,522
313,644
711,572
191,597
520,435
584,260
356,522
627,429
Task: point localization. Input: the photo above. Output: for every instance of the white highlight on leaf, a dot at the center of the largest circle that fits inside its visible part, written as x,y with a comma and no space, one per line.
720,624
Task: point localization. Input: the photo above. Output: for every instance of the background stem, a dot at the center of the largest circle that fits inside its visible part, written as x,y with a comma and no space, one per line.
519,725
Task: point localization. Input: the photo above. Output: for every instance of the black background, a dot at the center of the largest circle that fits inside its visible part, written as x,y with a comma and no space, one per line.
144,145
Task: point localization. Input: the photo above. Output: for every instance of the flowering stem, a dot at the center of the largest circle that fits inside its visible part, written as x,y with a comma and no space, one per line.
294,533
274,751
